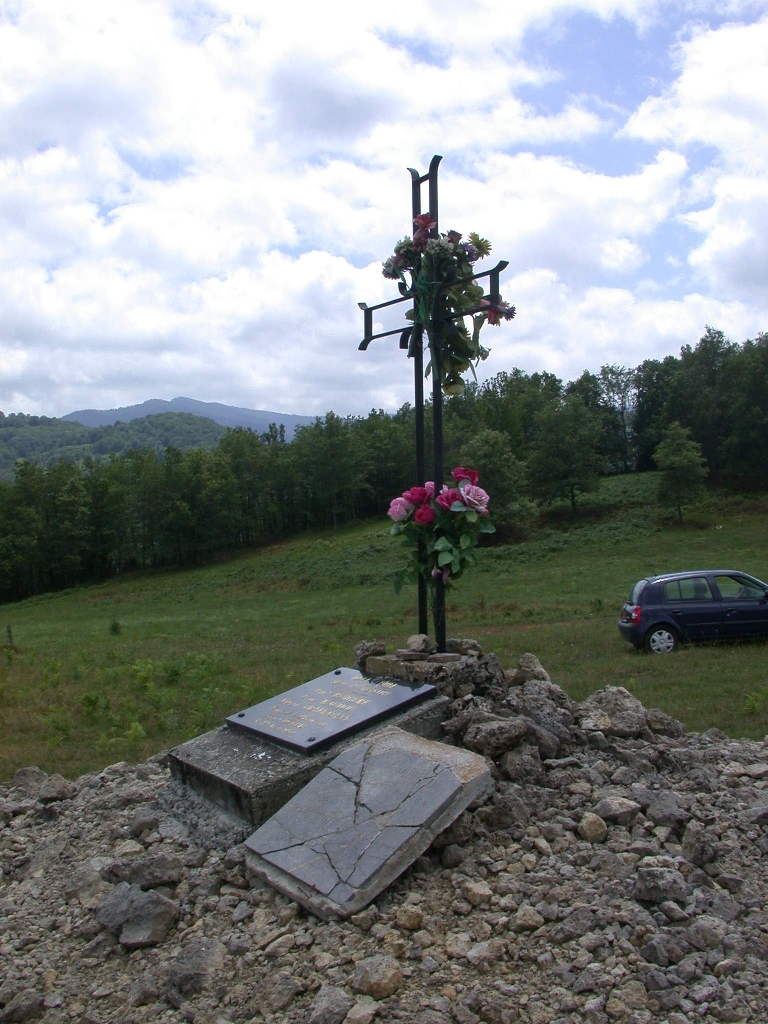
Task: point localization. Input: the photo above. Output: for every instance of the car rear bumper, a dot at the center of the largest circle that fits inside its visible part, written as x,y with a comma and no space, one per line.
631,632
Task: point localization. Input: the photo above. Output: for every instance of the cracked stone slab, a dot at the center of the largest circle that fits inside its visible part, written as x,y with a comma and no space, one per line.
364,819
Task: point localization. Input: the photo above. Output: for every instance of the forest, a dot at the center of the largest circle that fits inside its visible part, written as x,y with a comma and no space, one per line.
91,515
46,440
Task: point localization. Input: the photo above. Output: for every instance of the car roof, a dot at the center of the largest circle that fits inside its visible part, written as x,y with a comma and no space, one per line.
698,572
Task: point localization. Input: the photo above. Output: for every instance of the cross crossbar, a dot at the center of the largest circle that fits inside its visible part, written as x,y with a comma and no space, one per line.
493,300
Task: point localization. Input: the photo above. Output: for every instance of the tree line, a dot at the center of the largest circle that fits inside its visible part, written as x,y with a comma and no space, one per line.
533,439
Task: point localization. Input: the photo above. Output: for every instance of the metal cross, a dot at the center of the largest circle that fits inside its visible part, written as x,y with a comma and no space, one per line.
412,339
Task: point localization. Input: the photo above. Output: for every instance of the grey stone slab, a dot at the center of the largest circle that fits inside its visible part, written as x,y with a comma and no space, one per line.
252,777
411,788
339,703
350,763
431,797
388,843
397,777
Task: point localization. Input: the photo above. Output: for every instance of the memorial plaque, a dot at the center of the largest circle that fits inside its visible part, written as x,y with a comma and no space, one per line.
325,709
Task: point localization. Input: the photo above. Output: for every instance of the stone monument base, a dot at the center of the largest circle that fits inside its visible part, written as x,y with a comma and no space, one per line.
252,777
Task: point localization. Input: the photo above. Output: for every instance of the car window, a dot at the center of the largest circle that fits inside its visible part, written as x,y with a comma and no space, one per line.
636,591
695,588
738,588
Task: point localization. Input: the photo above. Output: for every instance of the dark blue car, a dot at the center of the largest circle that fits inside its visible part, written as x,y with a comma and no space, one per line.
681,607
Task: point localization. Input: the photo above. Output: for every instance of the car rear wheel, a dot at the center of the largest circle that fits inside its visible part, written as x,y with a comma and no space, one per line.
661,640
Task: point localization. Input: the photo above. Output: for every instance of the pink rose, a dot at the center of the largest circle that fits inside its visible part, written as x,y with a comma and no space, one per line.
463,473
416,495
444,572
424,515
399,509
424,222
423,225
429,487
475,498
447,496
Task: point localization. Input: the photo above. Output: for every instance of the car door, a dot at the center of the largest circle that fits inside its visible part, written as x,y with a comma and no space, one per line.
693,607
745,607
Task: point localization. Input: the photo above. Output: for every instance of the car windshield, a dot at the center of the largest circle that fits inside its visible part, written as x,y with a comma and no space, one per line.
739,588
636,591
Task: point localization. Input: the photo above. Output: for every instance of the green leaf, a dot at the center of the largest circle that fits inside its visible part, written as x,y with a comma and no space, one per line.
442,544
458,506
445,557
465,541
472,516
486,527
456,566
399,580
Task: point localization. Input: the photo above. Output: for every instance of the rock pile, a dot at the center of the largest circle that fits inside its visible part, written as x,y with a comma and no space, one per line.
619,873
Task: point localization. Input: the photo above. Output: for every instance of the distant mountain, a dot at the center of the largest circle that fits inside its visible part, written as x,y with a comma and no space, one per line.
226,415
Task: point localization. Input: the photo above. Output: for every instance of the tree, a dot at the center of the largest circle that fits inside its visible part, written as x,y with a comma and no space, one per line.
388,446
507,403
564,458
65,512
596,394
697,397
504,477
743,448
332,463
618,389
501,474
682,468
653,380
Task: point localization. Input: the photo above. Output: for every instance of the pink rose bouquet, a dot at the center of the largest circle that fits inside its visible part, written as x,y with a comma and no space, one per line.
441,530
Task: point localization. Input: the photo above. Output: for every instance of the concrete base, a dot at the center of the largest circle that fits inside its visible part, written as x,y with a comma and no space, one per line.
253,778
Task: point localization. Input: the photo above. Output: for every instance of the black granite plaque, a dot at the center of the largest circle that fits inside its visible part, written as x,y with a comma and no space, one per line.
325,709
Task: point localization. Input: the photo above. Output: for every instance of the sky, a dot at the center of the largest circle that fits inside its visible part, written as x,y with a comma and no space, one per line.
195,194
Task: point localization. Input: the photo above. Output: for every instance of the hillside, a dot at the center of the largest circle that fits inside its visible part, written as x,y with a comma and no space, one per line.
125,668
45,440
257,420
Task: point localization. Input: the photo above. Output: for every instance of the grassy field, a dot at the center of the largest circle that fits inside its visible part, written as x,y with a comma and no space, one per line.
121,670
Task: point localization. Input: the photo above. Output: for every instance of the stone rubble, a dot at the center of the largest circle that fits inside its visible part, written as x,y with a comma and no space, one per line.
619,873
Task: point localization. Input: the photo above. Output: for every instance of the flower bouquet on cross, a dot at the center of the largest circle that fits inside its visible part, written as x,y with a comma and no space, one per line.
440,271
441,529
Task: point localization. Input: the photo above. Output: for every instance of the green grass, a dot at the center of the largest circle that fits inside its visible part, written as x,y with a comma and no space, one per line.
118,671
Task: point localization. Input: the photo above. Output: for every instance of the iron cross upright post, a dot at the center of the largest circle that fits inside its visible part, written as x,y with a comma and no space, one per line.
412,339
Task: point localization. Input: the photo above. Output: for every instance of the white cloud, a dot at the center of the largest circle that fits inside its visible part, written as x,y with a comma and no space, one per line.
621,254
545,211
194,198
734,252
719,100
564,330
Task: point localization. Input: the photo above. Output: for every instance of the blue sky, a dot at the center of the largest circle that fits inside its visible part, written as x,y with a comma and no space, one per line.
195,195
